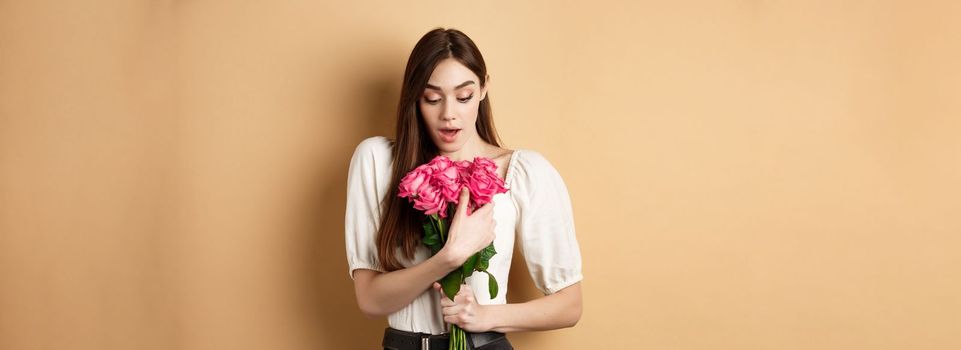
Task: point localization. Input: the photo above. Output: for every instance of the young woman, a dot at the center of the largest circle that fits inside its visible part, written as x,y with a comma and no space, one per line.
445,110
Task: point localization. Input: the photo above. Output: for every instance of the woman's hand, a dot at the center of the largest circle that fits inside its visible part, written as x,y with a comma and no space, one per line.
464,311
469,233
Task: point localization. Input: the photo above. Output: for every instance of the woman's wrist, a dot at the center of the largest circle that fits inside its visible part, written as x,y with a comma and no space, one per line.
450,258
490,318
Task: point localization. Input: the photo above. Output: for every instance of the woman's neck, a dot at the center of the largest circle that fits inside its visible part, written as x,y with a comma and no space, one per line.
472,148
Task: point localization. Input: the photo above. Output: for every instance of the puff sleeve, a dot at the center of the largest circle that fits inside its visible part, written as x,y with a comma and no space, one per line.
545,225
366,186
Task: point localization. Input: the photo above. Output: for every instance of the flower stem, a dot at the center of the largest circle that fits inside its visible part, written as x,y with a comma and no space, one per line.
458,338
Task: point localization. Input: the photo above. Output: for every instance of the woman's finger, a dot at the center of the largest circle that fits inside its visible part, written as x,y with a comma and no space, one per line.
485,209
452,310
463,200
465,295
452,320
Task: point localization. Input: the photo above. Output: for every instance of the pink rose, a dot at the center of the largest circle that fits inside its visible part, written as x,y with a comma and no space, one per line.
484,164
413,181
417,187
483,182
445,177
463,167
439,163
433,186
430,201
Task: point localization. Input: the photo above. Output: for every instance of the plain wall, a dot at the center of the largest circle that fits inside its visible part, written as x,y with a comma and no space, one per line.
744,174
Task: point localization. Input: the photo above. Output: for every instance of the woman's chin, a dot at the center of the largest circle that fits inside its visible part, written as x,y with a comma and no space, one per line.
447,147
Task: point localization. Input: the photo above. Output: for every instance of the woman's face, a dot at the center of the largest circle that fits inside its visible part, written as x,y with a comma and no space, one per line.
450,103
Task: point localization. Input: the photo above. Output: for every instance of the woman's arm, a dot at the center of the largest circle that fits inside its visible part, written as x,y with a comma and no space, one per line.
558,310
380,294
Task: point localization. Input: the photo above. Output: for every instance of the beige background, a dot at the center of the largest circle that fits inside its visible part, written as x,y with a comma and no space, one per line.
745,174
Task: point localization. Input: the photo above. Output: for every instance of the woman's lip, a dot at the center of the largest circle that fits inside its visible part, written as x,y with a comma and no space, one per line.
449,135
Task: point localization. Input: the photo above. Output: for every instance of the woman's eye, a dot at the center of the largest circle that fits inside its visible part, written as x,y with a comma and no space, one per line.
433,102
465,99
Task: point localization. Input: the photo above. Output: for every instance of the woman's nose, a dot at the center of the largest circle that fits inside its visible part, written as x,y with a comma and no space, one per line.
447,114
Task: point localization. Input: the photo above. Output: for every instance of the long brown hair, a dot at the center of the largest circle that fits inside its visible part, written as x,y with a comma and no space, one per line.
400,225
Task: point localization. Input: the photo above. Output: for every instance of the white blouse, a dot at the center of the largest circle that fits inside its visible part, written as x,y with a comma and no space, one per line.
536,211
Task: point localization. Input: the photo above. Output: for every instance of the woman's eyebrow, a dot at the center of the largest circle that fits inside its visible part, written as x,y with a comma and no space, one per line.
434,87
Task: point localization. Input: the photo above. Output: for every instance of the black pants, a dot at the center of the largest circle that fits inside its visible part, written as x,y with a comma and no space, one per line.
410,341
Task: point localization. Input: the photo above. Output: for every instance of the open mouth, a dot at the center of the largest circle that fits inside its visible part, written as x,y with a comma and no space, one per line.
449,135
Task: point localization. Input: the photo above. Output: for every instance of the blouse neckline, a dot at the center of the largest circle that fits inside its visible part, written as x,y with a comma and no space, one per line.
510,168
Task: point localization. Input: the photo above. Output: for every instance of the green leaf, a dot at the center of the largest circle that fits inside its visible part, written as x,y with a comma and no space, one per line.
485,257
434,249
441,226
451,283
431,237
433,220
491,284
444,228
468,268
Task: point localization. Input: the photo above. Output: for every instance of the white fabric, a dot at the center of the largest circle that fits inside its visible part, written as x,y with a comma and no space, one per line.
536,209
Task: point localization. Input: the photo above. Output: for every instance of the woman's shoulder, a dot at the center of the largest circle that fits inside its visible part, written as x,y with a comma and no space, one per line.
376,147
531,166
531,160
374,144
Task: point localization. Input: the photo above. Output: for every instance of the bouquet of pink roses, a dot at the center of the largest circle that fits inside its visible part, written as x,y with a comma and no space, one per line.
432,188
